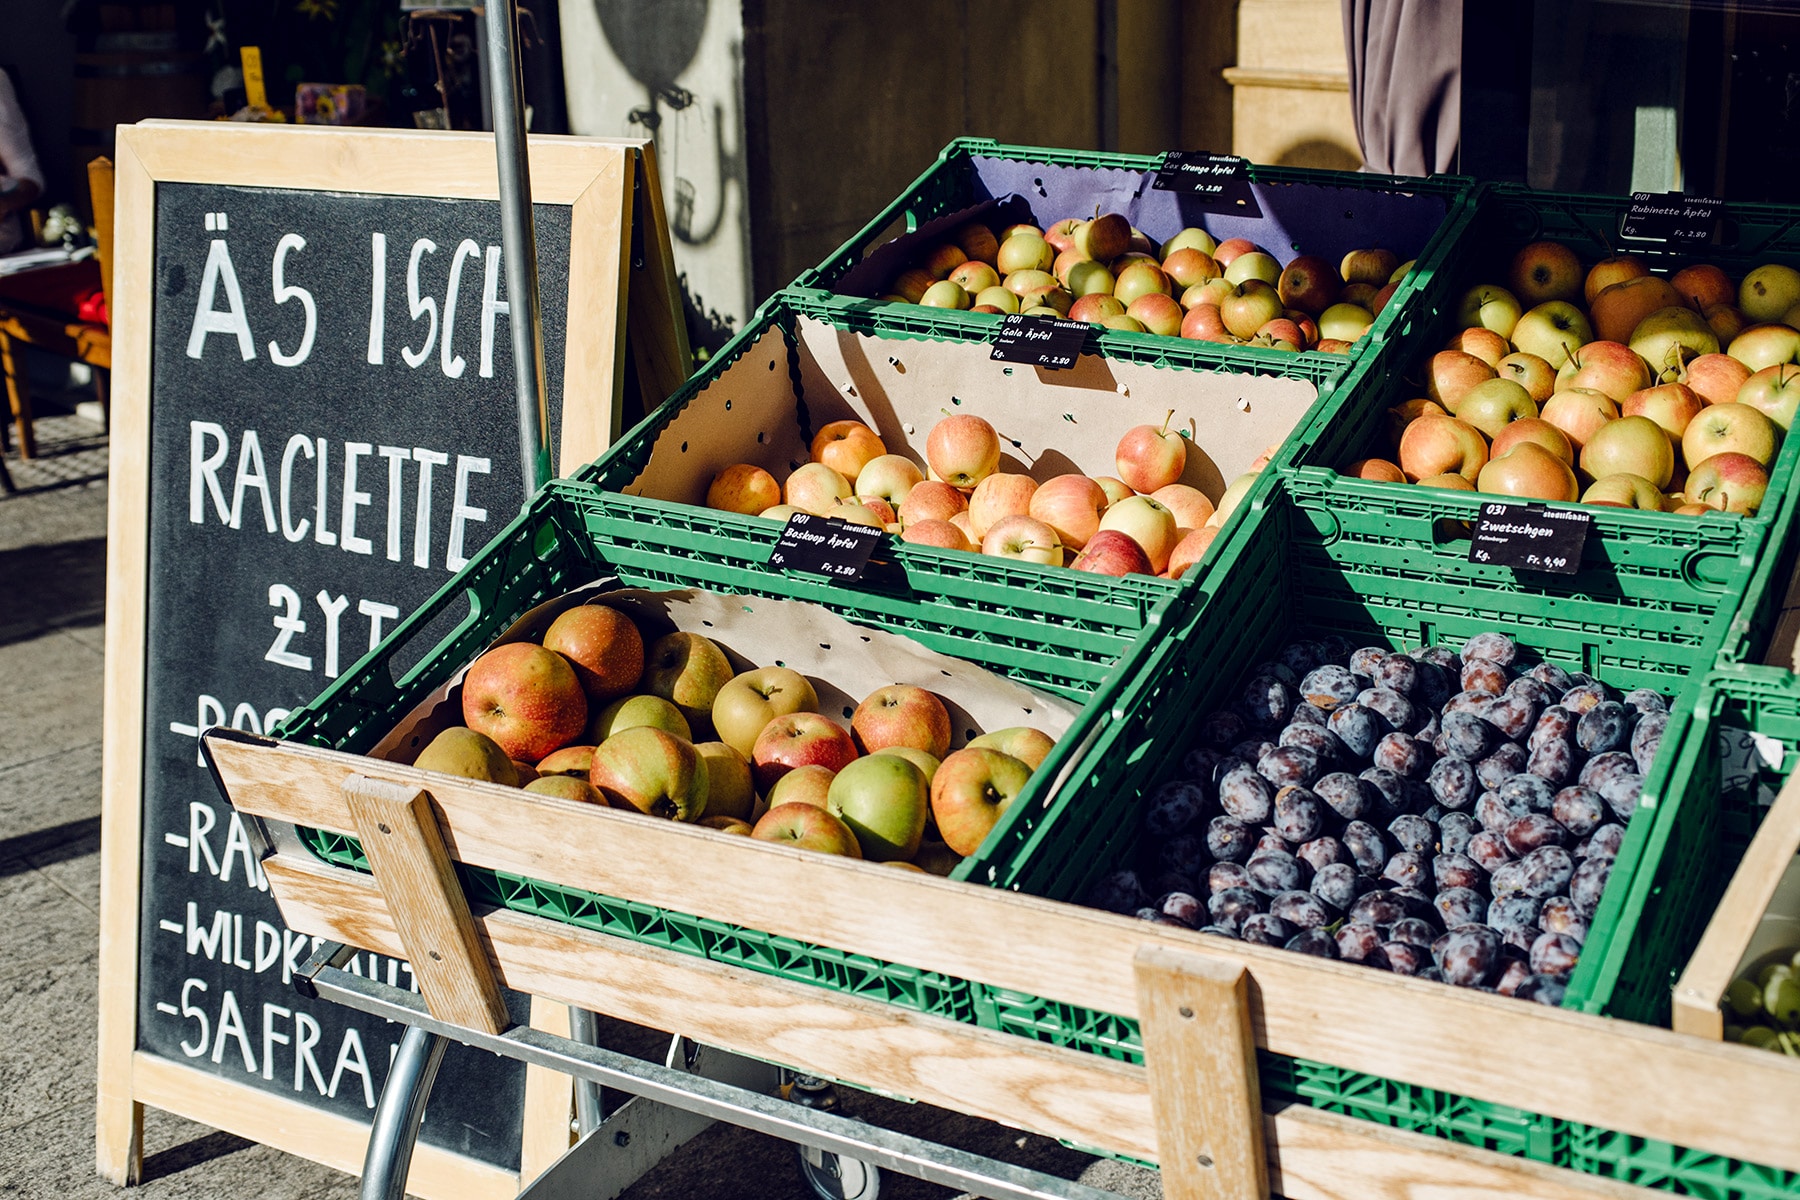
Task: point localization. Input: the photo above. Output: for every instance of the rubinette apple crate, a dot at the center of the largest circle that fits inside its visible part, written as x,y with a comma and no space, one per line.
1553,361
1367,755
1033,517
1288,261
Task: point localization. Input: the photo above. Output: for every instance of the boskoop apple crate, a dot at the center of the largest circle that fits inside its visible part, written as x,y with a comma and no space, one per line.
798,366
1691,552
1310,565
1193,1106
1303,211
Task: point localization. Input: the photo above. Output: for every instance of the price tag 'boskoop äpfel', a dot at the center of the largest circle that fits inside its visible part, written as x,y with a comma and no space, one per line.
824,546
1530,537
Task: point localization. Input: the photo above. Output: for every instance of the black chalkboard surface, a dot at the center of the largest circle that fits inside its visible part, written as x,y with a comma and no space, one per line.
333,433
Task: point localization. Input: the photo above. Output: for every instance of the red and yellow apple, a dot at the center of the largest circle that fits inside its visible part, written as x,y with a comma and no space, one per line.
526,698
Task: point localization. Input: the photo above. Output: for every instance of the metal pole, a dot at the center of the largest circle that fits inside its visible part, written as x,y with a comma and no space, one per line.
584,1027
518,240
399,1114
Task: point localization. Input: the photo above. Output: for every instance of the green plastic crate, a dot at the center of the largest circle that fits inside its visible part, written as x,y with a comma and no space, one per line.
1327,213
1506,217
551,549
1054,628
1313,564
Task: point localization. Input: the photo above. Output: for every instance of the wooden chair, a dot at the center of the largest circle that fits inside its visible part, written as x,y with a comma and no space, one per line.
35,311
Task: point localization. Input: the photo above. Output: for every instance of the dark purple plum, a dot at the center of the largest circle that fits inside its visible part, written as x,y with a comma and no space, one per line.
1546,872
1361,943
1413,833
1466,736
1532,831
1289,766
1646,735
1404,958
1185,853
1646,701
1604,727
1578,810
1302,910
1185,908
1321,853
1554,954
1270,840
1560,915
1453,870
1349,796
1554,723
1582,697
1417,900
1365,659
1515,973
1552,677
1495,812
1489,851
1231,907
1366,846
1442,657
1229,839
1513,912
1467,955
1299,815
1265,702
1378,908
1454,831
1396,672
1151,913
1534,690
1222,875
1494,647
1404,755
1544,989
1604,842
1301,655
1414,931
1435,684
1277,669
1428,733
1265,929
1358,728
1507,760
1316,738
1330,686
1480,675
1512,715
1396,794
1553,761
1390,706
1407,870
1246,796
1601,767
1536,793
1621,793
1173,881
1218,730
1275,871
1460,906
1219,931
1205,766
1453,783
1466,702
1335,648
1308,714
1174,807
1315,942
1588,884
1251,750
1338,885
1120,892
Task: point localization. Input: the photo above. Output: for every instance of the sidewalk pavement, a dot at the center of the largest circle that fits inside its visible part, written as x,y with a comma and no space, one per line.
52,588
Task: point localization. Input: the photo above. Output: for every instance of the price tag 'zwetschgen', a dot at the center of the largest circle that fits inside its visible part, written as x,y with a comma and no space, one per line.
1530,537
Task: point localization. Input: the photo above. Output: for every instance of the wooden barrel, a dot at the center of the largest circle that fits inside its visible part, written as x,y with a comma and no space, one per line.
119,86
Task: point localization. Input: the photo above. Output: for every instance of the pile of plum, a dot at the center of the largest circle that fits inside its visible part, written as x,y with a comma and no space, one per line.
1450,816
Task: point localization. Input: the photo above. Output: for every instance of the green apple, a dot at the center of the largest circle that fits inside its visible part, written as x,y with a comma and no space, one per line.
651,771
1493,404
1768,292
567,787
1489,306
883,799
1669,337
1191,237
927,763
729,792
1030,746
1345,322
687,670
462,751
1551,331
751,700
628,712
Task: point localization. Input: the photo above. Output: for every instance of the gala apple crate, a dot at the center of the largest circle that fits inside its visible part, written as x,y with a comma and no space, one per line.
1323,213
798,366
549,551
1309,565
1658,559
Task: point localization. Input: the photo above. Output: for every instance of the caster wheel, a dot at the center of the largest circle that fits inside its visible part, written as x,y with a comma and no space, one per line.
836,1178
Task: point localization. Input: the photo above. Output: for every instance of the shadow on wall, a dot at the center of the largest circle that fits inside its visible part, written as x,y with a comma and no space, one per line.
1320,155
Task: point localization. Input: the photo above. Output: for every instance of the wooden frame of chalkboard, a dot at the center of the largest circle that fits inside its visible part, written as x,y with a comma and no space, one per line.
609,283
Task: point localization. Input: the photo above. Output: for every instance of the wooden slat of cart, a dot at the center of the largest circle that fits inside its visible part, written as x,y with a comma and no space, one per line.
1606,1073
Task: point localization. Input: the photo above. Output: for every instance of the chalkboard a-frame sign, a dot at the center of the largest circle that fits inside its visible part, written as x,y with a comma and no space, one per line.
314,424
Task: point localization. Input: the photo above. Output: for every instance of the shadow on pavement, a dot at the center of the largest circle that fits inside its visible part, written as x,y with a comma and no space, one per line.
59,843
57,586
177,1159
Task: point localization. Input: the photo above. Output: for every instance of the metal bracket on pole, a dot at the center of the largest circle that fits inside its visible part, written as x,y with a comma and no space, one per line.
518,241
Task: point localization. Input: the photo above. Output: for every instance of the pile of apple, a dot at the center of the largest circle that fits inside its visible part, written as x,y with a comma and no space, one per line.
593,714
1141,522
1607,385
1105,272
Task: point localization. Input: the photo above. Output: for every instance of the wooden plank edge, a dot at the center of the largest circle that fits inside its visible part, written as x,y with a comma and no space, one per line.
547,1129
1044,1089
310,1133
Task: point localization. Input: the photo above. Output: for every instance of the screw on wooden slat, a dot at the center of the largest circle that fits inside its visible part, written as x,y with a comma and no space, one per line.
1204,1160
1185,1011
383,828
436,957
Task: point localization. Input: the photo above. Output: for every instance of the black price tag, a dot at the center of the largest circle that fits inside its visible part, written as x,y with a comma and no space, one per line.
1530,537
824,546
1039,341
1218,182
1671,218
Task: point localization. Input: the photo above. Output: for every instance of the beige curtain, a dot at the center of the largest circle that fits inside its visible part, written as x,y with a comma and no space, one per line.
1405,83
